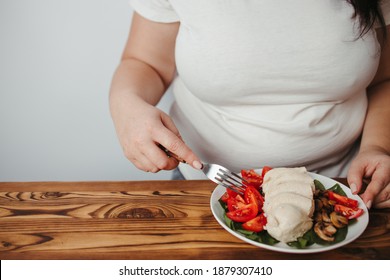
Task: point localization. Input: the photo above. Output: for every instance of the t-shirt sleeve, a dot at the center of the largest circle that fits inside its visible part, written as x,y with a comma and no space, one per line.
155,10
386,11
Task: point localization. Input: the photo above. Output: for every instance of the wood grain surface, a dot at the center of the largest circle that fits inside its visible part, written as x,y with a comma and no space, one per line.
140,220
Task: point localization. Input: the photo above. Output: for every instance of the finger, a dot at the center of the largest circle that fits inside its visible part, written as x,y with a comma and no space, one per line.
373,189
355,176
153,159
160,158
382,205
168,123
383,196
142,162
175,144
145,165
141,165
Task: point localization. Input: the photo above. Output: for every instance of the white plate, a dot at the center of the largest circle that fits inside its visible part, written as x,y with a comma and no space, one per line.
354,231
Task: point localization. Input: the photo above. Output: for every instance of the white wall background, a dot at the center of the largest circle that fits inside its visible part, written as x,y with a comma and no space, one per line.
57,58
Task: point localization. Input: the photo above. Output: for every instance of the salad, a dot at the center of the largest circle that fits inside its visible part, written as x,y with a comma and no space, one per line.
334,211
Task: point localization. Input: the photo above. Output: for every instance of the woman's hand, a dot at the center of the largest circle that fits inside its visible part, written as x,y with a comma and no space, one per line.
140,128
372,164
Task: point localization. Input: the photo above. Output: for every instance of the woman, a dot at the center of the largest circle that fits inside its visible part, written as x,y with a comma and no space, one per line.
279,83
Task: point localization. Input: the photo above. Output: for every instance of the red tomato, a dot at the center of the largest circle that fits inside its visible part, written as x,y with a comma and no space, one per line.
235,203
229,193
252,178
265,170
244,214
343,200
348,212
256,224
225,197
252,195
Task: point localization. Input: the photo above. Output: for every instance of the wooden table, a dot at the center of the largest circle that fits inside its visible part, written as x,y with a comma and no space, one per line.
139,220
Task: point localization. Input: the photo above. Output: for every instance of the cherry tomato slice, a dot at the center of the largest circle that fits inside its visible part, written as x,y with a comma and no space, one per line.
244,214
228,194
348,212
252,195
235,203
256,224
343,200
252,178
265,170
225,197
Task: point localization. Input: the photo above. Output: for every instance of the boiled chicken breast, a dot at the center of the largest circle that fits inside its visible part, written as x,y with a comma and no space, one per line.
285,175
287,223
304,204
294,187
289,203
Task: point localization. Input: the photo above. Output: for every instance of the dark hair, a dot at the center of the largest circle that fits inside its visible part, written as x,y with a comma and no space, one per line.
369,12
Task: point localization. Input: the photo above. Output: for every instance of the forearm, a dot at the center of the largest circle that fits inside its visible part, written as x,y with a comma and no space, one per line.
135,80
376,133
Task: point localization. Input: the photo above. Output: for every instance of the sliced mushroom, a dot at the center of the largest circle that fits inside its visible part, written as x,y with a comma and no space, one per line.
325,216
338,220
324,201
319,230
330,230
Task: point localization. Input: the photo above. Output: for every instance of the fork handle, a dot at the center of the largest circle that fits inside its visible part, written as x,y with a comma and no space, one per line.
170,154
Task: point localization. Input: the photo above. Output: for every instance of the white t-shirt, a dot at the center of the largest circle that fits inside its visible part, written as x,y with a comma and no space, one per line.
274,82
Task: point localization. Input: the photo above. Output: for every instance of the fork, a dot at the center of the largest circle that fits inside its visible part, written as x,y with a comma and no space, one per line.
224,177
216,173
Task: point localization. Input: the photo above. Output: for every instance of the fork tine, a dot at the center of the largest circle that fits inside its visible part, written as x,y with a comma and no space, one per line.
223,176
231,187
225,182
232,174
231,182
